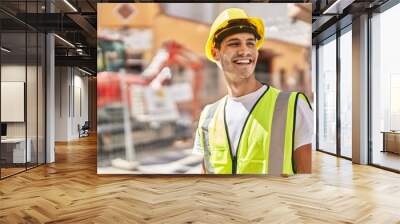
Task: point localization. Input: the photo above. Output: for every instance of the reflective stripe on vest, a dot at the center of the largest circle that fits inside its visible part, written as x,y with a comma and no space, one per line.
204,122
277,144
266,142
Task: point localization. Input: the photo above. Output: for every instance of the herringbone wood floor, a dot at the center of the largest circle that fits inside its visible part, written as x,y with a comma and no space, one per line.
70,191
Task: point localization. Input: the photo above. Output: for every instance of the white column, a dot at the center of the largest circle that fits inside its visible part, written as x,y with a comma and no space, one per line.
360,90
50,92
50,99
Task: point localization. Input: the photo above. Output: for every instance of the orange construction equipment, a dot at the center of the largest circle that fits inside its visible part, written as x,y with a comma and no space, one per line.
176,54
172,53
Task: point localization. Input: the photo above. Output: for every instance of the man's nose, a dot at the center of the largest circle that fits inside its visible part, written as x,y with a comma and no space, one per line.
243,50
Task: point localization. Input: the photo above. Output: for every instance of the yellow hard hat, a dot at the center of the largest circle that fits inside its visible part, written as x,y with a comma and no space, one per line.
225,18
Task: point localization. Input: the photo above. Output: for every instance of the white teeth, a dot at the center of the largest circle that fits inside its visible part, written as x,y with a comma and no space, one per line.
243,61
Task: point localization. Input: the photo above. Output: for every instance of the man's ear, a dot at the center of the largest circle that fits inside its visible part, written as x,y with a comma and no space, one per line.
215,53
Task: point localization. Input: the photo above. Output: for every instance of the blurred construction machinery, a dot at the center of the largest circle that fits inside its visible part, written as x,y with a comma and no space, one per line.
162,100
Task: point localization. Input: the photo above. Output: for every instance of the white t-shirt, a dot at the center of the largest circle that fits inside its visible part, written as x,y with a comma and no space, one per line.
237,109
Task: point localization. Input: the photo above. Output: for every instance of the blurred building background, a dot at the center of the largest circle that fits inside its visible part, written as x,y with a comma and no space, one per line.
154,79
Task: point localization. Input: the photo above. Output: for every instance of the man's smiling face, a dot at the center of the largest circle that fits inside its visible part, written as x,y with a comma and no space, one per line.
237,56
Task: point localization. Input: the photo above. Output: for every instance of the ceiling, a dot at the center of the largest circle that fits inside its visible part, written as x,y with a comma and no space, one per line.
73,20
332,15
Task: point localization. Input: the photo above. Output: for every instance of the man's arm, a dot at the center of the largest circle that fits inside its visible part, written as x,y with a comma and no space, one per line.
303,137
302,159
198,150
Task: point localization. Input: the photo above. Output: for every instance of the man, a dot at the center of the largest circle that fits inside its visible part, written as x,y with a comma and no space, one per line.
255,129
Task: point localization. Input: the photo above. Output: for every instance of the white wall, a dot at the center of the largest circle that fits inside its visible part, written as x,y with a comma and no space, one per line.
71,87
33,125
12,73
62,81
80,89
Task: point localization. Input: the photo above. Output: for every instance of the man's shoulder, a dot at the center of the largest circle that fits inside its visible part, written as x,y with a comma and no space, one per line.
298,96
209,108
213,104
303,99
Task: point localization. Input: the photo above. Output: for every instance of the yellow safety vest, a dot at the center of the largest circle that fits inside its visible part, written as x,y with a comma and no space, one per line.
266,142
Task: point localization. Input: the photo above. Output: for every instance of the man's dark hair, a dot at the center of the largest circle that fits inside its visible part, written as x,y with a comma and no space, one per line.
233,27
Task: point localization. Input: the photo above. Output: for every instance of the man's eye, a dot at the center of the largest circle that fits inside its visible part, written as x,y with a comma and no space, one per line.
251,44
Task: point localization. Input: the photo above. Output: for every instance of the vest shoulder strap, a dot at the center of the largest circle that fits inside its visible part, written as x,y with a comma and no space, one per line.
283,133
208,114
205,119
278,130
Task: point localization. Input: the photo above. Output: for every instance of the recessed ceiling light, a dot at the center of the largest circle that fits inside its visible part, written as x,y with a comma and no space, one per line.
64,40
70,5
84,71
5,49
